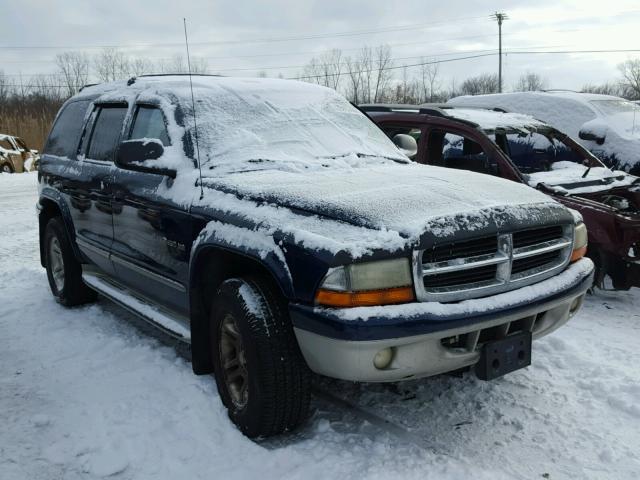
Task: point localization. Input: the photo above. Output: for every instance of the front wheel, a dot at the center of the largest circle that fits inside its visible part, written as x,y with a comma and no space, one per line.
6,168
63,269
262,378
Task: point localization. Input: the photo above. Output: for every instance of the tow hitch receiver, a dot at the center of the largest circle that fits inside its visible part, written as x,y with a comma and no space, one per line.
504,356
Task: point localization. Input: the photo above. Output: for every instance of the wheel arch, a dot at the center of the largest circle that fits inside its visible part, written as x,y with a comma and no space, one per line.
211,264
50,205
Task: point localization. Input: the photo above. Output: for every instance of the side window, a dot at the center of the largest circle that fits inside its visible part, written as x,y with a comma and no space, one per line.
106,132
65,135
6,144
150,123
453,150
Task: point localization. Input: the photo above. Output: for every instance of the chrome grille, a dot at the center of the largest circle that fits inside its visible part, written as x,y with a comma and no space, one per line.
492,264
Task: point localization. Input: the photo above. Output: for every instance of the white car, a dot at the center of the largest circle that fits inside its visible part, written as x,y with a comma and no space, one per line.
608,126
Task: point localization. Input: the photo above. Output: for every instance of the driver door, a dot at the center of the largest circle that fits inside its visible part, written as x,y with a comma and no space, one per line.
152,234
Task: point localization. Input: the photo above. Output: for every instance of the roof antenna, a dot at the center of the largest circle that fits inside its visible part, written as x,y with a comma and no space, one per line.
193,104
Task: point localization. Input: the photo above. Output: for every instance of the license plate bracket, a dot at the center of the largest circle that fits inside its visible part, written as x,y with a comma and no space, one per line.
504,356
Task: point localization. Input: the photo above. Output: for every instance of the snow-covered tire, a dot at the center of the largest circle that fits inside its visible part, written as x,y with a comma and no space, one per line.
276,377
6,168
63,269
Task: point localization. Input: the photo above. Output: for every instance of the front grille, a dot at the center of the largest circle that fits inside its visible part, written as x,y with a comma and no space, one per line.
481,274
526,238
469,248
530,263
487,265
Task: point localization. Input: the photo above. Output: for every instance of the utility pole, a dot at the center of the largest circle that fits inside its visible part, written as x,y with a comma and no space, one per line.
500,17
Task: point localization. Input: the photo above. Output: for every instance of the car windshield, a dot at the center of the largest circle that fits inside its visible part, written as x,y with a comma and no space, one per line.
613,107
246,125
536,149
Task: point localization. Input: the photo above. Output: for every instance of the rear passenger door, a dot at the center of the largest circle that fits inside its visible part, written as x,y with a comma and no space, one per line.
152,235
92,200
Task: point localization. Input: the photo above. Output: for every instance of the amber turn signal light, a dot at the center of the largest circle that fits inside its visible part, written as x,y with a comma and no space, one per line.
578,253
367,298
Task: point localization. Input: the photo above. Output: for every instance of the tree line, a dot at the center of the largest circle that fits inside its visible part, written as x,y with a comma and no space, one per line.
28,104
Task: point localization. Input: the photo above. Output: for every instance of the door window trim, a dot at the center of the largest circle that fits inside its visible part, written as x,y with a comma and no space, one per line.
90,126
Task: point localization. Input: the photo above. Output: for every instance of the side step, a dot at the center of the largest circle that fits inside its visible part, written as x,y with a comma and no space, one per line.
152,314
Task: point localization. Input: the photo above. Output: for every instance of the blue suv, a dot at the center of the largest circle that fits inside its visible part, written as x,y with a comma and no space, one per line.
275,229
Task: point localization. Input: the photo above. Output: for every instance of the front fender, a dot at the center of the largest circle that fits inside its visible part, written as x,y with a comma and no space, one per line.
257,245
50,200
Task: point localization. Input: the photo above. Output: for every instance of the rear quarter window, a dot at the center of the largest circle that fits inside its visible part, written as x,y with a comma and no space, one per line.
65,134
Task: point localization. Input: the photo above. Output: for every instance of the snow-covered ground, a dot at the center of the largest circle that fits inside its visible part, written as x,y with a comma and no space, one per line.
86,393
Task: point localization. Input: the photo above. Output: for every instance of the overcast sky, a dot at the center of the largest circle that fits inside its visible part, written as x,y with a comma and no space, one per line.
242,37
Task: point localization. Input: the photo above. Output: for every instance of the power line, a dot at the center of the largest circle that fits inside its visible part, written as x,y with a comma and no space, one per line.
563,52
416,26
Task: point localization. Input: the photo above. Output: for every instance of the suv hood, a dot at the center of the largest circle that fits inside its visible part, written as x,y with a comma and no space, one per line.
406,198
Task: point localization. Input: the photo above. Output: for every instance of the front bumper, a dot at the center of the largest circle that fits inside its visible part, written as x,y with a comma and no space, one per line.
429,339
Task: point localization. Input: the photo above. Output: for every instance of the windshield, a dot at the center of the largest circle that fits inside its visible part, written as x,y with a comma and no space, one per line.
536,149
613,107
246,125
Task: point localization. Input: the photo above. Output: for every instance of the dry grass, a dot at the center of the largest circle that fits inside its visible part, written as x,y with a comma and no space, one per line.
32,127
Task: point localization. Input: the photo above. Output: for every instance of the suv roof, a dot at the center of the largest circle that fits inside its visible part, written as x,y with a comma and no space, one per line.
484,118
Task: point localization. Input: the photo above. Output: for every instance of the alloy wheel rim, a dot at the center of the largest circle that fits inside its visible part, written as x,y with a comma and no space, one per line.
57,263
234,364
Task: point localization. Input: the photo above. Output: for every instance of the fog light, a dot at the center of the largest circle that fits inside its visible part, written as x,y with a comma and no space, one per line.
383,358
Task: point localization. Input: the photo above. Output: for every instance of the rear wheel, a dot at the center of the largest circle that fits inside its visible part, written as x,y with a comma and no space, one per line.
63,269
262,378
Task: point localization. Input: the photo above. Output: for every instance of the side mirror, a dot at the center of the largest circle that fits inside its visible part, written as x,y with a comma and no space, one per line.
406,144
132,155
593,131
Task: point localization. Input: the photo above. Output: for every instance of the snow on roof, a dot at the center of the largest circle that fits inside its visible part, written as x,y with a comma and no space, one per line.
490,120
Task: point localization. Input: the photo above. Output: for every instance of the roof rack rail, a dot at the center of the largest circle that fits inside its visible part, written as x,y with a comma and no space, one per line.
180,74
87,86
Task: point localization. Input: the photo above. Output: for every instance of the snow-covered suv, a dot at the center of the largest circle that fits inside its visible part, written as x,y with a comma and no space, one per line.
278,231
607,126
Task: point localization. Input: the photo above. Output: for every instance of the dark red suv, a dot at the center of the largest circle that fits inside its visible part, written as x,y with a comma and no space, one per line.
523,149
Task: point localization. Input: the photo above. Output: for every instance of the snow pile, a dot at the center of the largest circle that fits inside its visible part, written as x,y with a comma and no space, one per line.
84,395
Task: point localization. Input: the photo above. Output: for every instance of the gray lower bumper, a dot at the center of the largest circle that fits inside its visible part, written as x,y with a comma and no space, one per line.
432,353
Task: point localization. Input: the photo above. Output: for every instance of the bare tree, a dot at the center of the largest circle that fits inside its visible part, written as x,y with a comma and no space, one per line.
73,69
4,88
178,64
609,88
530,82
382,63
325,69
111,64
630,71
354,80
480,84
140,66
428,80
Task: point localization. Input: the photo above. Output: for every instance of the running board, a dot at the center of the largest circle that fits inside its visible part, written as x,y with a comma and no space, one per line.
157,317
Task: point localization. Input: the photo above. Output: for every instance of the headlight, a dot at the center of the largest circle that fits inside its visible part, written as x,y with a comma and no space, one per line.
364,284
580,241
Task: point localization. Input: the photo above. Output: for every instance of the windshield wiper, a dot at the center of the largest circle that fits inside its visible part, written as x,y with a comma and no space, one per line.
584,175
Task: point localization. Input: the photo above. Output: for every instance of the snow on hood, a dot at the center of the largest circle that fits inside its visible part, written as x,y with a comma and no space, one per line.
408,199
567,177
